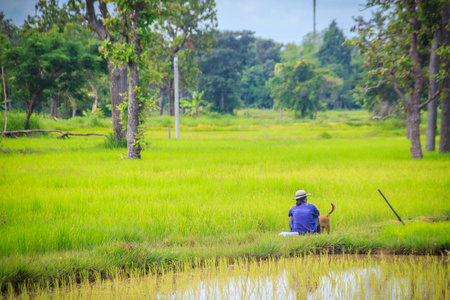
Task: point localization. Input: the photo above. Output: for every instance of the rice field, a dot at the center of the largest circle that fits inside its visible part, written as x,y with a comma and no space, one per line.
222,191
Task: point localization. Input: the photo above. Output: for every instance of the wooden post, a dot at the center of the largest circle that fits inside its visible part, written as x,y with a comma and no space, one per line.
177,105
400,219
6,101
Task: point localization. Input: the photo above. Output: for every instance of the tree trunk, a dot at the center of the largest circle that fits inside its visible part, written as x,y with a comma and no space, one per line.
171,98
161,102
6,100
118,79
31,109
74,111
117,76
413,121
95,104
222,100
133,135
134,151
53,105
430,140
444,143
413,105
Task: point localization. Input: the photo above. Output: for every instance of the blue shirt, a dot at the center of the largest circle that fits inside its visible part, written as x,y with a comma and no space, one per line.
303,218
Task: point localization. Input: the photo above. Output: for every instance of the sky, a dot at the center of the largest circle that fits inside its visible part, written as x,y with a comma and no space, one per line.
284,21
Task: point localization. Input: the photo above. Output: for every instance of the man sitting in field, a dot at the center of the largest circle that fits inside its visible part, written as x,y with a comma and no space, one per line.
303,217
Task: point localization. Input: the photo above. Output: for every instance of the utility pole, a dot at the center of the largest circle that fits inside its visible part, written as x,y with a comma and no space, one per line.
314,17
177,106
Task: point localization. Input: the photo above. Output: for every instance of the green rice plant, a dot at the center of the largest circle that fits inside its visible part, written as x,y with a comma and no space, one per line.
222,192
318,277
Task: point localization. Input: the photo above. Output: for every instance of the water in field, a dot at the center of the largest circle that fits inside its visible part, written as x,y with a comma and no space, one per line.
310,277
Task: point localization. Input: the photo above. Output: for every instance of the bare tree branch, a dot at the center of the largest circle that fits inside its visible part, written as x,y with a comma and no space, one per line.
397,90
71,98
377,86
437,93
63,136
94,23
103,9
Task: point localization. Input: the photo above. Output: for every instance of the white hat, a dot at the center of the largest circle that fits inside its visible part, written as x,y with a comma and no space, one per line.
300,194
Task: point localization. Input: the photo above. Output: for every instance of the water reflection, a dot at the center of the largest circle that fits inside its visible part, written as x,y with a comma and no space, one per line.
330,277
310,277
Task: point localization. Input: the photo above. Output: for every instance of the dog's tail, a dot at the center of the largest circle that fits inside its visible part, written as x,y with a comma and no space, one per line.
332,210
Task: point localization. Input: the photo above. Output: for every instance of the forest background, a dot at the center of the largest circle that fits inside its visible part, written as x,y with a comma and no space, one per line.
73,59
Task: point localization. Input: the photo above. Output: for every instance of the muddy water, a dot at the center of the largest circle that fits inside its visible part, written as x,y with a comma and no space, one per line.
310,277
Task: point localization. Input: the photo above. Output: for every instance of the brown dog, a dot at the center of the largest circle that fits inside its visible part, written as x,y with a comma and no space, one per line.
325,221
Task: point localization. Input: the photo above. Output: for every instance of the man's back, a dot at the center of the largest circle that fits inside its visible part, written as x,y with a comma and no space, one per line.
303,218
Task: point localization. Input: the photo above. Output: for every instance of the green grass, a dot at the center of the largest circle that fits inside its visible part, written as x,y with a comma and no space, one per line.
222,190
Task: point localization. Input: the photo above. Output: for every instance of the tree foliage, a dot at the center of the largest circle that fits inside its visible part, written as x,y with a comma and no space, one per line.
396,49
222,69
333,50
254,87
53,14
131,32
185,29
7,27
47,61
300,86
335,55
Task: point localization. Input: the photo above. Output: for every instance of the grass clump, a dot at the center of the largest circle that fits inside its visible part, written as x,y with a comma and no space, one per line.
16,121
112,143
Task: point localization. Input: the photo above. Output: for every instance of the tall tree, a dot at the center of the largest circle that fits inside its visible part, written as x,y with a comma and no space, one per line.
52,14
45,60
378,97
333,50
431,19
444,143
290,53
8,32
117,73
254,88
222,69
300,86
396,54
430,137
66,19
187,29
335,55
134,22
